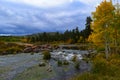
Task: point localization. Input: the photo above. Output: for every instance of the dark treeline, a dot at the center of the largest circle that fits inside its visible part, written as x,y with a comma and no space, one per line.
69,36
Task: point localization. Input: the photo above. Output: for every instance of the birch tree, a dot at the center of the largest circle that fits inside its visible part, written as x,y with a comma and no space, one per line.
102,18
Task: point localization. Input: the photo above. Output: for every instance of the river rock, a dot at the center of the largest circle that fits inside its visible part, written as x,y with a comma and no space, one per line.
42,64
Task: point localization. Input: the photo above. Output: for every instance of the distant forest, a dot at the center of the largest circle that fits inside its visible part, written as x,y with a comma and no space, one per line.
69,36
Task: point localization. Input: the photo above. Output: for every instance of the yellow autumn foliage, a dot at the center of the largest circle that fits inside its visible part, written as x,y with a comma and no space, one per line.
101,25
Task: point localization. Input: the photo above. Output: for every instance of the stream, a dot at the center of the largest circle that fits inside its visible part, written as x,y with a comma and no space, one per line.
12,65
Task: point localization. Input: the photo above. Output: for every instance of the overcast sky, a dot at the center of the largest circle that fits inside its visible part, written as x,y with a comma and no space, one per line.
31,16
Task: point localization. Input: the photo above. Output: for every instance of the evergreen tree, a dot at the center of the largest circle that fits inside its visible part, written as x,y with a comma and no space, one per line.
88,29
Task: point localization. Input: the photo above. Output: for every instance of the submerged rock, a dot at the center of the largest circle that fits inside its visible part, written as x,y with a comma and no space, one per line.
42,64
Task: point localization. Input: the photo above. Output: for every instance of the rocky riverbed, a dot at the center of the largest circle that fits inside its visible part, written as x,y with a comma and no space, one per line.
14,67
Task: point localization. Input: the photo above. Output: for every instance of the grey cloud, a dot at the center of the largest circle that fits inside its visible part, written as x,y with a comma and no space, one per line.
26,19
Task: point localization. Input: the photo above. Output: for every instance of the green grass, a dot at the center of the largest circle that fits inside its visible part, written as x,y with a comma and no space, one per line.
35,73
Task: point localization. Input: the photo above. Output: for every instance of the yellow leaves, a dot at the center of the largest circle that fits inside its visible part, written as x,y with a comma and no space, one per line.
96,38
80,39
69,41
101,25
115,61
103,10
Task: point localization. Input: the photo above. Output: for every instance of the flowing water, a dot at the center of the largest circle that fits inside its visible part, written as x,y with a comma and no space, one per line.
12,65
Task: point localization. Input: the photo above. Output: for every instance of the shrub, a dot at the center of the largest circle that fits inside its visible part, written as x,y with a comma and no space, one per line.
32,53
102,69
65,62
2,43
59,63
99,67
10,48
77,65
100,49
74,59
86,59
46,55
13,50
1,51
42,64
